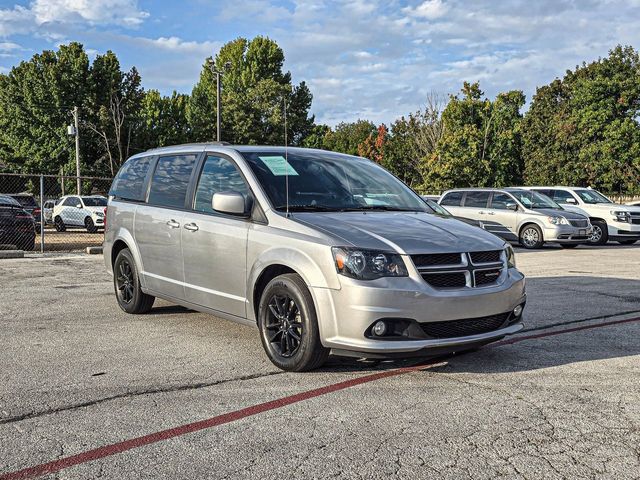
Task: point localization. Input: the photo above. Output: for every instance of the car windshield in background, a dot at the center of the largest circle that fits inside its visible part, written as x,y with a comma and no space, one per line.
592,197
321,181
26,201
4,200
94,202
534,200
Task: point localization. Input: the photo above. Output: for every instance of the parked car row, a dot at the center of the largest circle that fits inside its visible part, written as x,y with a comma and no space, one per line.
79,211
532,216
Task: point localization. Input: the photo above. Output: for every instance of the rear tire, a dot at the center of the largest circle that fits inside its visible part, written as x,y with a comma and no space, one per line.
569,245
600,235
126,284
531,237
59,224
627,242
289,326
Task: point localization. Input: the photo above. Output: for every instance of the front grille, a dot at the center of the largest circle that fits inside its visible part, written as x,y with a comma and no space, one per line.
445,279
460,270
580,223
463,328
487,277
635,221
436,259
486,257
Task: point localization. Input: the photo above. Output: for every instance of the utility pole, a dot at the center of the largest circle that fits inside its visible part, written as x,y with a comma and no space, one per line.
218,75
77,135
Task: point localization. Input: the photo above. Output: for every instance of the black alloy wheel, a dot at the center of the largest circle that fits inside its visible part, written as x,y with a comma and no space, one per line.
126,284
284,325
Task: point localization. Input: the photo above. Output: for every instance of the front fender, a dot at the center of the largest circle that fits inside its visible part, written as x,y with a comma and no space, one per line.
318,273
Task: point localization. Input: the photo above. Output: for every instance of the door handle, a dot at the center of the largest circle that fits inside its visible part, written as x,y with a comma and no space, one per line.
192,227
490,213
173,224
481,212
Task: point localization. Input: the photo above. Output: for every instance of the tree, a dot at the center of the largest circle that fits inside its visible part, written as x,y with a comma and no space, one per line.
480,144
373,146
583,129
254,92
164,119
346,137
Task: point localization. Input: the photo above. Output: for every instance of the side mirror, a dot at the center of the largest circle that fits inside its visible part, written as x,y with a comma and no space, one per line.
79,205
232,203
571,201
512,206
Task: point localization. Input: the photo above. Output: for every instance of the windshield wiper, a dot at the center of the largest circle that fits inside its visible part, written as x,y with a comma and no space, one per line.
385,208
308,208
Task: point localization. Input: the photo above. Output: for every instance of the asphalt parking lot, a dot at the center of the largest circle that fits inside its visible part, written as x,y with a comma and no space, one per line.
87,391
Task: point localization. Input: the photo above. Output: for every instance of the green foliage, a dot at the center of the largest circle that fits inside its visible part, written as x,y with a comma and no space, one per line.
254,92
583,129
481,141
346,137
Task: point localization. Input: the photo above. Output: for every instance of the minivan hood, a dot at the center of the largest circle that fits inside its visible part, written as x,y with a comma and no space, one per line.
556,212
404,232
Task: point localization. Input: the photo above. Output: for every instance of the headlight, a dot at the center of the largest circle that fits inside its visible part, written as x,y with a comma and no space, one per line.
621,216
557,220
368,264
98,214
511,257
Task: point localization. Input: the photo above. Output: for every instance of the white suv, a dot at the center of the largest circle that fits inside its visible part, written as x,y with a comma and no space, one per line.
610,220
79,211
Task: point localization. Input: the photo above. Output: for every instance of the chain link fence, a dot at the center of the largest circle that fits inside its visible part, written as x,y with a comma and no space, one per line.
47,213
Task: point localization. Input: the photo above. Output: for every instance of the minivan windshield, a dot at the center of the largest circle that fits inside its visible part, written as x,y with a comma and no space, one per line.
94,201
327,181
534,200
592,197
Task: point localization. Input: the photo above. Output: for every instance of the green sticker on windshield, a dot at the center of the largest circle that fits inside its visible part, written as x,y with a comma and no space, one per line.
278,166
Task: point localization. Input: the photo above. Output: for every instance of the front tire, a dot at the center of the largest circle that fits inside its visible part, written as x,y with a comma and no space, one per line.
600,235
531,237
89,225
289,326
126,283
59,224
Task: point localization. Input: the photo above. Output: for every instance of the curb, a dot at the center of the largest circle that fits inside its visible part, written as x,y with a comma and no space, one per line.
11,254
94,250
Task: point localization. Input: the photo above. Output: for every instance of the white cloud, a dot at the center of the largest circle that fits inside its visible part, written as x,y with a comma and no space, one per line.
41,15
429,9
9,46
94,12
175,44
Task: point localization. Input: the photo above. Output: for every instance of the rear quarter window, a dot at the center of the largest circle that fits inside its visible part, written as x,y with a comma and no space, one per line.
130,180
452,199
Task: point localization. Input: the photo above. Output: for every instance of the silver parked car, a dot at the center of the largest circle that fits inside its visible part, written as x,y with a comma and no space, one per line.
321,251
532,217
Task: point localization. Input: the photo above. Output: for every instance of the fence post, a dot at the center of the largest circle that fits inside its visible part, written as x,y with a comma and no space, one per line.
41,213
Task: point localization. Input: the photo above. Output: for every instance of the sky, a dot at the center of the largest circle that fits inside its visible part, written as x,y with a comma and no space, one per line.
369,59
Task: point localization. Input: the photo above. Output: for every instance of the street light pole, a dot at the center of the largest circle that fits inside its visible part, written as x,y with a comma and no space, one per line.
77,135
218,75
218,104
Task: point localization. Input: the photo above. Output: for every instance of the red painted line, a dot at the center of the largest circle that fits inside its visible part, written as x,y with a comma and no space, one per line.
513,340
115,448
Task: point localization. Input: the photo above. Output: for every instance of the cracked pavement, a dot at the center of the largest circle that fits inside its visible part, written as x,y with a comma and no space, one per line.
77,373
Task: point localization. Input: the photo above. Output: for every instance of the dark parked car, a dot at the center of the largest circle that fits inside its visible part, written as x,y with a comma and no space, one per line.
30,205
17,226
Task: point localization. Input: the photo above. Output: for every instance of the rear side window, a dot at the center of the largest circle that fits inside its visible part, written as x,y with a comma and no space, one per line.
476,199
170,180
453,199
561,196
218,175
129,182
501,200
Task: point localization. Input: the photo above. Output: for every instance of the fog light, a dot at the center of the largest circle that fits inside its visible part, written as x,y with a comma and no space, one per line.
517,311
379,329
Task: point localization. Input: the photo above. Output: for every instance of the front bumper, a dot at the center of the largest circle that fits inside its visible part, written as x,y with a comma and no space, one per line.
623,230
567,234
345,315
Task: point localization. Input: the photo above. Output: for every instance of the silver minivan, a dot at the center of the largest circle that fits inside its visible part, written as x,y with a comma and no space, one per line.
323,252
531,217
